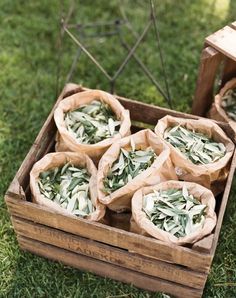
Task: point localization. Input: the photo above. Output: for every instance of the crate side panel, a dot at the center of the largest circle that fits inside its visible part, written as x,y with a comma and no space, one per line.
110,235
224,204
107,270
109,254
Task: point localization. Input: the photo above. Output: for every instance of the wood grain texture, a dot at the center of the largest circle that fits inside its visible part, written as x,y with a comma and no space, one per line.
223,204
224,40
203,97
109,254
107,270
110,235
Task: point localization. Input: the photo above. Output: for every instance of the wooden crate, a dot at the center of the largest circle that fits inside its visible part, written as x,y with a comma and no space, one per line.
217,66
110,250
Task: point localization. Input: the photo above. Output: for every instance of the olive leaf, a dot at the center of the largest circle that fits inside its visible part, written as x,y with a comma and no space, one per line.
197,147
229,103
128,165
92,123
174,211
68,186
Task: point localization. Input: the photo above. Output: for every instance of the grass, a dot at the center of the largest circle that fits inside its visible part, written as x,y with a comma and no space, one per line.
28,71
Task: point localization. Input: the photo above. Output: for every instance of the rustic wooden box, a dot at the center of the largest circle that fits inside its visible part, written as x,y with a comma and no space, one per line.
110,250
217,66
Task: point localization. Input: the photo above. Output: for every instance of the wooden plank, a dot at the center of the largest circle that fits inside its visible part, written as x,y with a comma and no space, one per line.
224,40
203,97
150,114
223,204
107,270
109,254
110,235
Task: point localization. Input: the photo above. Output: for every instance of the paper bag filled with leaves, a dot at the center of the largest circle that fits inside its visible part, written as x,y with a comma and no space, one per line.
224,106
174,211
65,182
90,122
200,150
129,164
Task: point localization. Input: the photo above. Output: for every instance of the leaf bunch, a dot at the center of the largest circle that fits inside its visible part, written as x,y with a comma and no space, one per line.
174,211
197,147
68,186
128,165
92,123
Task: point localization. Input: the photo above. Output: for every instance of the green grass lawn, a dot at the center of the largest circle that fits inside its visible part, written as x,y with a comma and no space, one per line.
28,88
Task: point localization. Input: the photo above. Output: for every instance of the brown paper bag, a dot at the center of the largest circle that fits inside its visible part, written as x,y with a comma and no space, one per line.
53,160
217,112
161,169
210,175
145,227
95,151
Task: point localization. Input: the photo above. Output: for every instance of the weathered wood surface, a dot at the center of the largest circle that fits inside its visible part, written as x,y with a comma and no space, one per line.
110,235
98,267
209,63
224,40
109,254
223,204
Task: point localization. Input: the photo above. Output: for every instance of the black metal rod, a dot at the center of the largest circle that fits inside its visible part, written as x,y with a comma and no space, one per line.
88,53
153,17
132,51
147,72
73,65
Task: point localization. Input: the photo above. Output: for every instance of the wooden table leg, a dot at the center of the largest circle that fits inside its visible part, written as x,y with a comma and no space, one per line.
210,61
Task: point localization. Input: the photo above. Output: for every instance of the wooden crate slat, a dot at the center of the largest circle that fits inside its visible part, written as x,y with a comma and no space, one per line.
110,235
150,113
203,97
107,270
109,254
224,40
223,204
